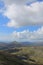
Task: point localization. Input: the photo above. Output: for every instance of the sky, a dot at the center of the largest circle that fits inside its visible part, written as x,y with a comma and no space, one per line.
21,20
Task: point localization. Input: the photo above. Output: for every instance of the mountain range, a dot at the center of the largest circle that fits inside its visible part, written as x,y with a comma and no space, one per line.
19,44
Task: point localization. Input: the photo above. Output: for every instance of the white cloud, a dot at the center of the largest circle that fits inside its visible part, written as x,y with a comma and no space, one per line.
25,35
24,15
18,2
29,36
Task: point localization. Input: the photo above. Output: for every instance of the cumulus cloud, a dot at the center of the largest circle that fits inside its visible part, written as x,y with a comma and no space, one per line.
25,35
21,14
24,15
18,2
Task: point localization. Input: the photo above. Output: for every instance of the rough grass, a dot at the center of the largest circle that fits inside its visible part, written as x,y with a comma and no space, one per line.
34,53
25,56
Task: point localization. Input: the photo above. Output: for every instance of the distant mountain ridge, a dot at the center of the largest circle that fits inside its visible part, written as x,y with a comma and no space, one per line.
19,44
9,45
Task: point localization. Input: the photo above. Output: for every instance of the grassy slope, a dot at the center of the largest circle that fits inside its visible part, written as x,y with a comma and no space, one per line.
7,59
34,53
34,56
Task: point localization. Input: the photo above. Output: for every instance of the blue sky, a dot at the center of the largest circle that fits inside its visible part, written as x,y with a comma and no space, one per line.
21,22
